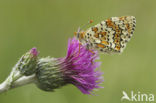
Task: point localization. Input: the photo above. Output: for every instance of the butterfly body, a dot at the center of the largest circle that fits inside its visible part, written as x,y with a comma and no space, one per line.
109,36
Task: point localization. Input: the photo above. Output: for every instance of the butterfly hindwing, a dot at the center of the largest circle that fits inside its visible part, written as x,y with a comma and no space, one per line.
111,35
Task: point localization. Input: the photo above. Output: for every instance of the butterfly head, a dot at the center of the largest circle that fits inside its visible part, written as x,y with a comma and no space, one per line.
79,35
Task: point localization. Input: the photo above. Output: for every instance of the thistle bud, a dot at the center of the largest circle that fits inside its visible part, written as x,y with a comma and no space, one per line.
27,63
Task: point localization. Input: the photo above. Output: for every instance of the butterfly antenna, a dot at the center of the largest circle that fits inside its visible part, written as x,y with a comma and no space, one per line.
89,22
80,28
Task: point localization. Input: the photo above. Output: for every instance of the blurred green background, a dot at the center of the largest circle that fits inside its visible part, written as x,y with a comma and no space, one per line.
47,25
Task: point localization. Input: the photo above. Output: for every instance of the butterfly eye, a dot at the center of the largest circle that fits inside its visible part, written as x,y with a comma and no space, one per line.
75,33
82,35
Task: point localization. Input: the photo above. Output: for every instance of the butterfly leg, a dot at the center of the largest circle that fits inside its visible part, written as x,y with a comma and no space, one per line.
77,34
79,48
88,48
93,53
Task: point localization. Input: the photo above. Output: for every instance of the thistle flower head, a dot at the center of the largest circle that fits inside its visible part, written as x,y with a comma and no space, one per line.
77,68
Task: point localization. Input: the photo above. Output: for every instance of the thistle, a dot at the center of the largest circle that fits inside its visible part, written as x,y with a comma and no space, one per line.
77,68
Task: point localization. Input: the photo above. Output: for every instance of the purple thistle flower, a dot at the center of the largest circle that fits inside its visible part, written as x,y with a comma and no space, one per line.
77,68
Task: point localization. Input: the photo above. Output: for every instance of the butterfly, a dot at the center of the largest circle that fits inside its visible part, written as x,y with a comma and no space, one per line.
109,36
